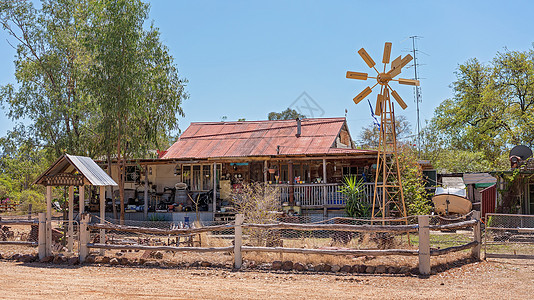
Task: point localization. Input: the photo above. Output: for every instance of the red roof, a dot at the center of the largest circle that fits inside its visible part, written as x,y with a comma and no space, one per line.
259,138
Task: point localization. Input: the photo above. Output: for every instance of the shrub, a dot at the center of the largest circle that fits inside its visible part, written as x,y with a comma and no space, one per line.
356,206
35,198
259,203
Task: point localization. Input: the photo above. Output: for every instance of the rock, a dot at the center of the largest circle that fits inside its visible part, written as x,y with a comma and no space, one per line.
358,269
380,270
171,264
157,255
142,261
114,261
1,256
327,268
276,265
90,259
335,268
319,267
15,256
310,267
73,260
404,270
27,258
299,267
205,264
47,259
124,261
287,265
151,263
105,260
59,259
393,270
345,269
252,265
370,269
195,264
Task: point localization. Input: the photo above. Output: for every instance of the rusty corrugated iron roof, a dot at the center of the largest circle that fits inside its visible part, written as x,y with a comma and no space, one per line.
259,138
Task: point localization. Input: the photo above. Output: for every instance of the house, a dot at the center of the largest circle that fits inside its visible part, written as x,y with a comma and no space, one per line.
305,159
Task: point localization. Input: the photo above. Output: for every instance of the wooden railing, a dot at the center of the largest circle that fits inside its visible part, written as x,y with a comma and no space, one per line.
422,227
320,194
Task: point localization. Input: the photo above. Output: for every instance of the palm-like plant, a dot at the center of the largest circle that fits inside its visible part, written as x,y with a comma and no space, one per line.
355,206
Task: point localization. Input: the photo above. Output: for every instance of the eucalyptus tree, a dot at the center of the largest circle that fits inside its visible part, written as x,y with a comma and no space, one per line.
134,81
492,109
49,63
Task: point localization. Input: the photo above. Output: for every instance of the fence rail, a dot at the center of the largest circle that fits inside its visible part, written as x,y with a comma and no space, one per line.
424,252
509,236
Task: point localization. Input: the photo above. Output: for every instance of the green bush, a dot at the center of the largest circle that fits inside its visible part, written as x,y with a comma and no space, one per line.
35,198
355,207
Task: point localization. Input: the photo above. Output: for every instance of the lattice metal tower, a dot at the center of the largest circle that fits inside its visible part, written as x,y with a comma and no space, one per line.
388,192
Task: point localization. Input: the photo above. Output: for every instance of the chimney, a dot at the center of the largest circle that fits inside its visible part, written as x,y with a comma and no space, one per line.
299,130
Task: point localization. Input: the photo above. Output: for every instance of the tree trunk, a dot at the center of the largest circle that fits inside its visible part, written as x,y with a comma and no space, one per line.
114,208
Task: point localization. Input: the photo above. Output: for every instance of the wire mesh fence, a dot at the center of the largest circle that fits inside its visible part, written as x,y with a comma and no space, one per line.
508,235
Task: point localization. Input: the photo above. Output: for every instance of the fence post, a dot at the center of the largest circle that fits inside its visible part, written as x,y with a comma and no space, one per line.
424,245
48,230
42,236
475,252
238,241
70,225
84,237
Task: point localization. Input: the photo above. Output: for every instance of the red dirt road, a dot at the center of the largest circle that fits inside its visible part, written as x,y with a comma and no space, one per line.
496,279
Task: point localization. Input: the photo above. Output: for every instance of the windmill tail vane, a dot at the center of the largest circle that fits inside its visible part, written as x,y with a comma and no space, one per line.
388,197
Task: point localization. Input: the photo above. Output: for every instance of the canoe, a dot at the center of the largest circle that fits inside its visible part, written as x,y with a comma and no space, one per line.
456,205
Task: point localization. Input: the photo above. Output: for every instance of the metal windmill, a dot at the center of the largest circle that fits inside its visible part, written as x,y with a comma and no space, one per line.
388,192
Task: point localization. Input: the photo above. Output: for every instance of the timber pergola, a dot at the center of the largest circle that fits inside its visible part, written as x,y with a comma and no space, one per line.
71,171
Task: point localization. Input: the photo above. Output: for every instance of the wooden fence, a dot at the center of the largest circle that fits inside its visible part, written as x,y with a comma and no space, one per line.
423,228
19,222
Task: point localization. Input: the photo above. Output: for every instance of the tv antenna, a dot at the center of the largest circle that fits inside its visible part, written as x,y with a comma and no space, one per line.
389,189
417,90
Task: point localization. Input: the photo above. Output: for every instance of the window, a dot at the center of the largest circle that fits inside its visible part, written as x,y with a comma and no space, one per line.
196,179
186,175
132,174
206,177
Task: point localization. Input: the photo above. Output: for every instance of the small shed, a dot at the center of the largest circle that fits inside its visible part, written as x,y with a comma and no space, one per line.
71,171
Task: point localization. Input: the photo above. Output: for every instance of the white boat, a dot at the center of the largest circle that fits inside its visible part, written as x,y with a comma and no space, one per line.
451,201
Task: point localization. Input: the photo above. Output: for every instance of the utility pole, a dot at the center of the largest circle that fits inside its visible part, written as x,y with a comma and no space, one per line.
417,92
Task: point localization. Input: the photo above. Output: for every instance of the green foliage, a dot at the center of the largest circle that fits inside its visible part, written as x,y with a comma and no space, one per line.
492,109
370,134
35,198
415,194
288,114
355,206
92,79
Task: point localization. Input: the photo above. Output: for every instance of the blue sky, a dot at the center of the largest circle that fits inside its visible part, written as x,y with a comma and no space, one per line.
244,59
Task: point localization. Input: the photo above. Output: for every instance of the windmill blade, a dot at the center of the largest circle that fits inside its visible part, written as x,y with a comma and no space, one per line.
387,53
396,62
362,95
368,60
405,60
399,99
409,81
396,67
357,75
378,106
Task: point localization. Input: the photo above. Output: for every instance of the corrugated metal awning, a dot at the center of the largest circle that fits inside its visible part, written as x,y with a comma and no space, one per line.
75,170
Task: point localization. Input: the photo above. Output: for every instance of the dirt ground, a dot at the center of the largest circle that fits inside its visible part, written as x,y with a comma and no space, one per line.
487,279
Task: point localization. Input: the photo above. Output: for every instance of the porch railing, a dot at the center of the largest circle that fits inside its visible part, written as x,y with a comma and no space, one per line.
313,195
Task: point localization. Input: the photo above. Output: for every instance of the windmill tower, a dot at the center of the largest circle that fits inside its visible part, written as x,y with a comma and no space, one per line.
388,192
